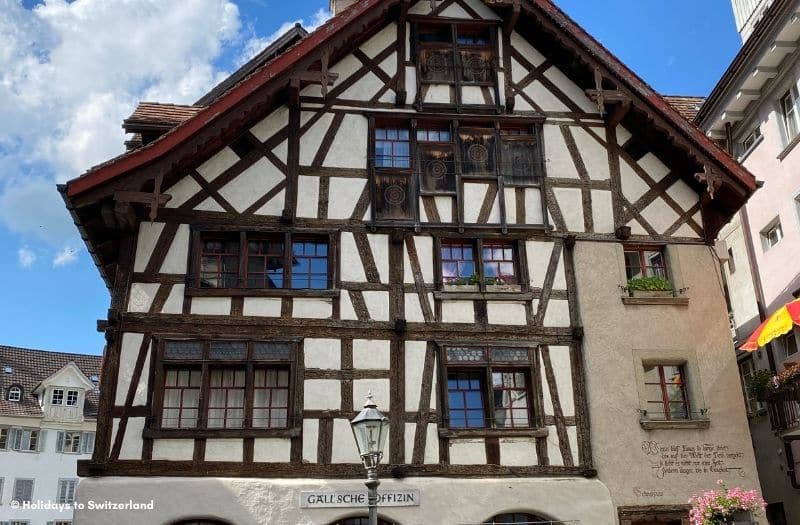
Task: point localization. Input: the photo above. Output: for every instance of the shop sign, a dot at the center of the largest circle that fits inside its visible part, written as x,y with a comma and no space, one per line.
357,498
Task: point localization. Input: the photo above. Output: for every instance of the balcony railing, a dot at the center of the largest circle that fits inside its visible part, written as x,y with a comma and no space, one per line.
784,408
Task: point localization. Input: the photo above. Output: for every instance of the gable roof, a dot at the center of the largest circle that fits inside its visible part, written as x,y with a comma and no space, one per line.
30,367
686,106
157,114
354,17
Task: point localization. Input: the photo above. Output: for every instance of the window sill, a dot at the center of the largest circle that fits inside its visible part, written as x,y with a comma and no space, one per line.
260,292
478,295
789,147
650,424
664,301
454,433
190,433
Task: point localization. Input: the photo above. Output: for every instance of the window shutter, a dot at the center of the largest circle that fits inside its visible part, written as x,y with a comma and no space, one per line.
41,441
87,443
14,438
23,490
60,442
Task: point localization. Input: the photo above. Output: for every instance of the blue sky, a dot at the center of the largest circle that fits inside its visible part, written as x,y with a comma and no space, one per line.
71,71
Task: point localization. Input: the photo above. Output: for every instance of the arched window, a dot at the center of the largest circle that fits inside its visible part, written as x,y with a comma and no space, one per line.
519,518
360,520
14,393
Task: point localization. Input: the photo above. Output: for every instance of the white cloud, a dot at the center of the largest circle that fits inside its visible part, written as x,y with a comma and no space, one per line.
66,256
255,45
70,72
26,257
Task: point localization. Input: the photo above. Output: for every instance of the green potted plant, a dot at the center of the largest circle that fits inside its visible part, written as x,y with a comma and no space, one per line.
759,384
497,284
463,284
654,286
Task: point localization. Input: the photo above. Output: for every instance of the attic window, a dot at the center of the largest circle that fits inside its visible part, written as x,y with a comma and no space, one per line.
8,370
15,393
94,378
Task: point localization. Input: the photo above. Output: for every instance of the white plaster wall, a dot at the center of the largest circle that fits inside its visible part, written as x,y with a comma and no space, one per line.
370,354
173,449
562,371
414,355
174,302
571,204
377,305
559,161
141,296
274,501
311,139
351,267
424,247
322,394
312,308
344,446
533,206
364,89
322,353
181,192
431,454
211,305
251,184
602,211
413,309
458,312
467,452
129,352
270,125
379,245
557,314
146,241
554,448
518,452
508,313
216,165
344,194
310,439
209,204
272,450
224,449
379,389
262,306
538,258
132,440
178,254
594,154
274,206
307,196
659,215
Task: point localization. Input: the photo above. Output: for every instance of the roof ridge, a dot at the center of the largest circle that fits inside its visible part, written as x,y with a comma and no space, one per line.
7,347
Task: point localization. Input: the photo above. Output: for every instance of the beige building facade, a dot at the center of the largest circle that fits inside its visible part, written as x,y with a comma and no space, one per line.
452,205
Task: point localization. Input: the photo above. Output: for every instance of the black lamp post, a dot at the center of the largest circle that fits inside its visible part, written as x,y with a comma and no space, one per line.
370,429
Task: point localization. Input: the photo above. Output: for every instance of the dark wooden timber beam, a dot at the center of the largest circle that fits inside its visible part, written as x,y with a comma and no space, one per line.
400,80
618,113
516,9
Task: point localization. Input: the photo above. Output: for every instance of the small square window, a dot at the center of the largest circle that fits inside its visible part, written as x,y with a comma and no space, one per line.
645,262
72,398
57,397
485,263
772,234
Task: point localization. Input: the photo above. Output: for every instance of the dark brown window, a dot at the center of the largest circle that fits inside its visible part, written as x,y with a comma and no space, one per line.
217,385
481,262
488,388
430,157
645,261
665,392
456,55
271,261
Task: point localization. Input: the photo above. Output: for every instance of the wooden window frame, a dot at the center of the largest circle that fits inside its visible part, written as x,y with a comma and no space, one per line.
534,131
457,82
154,429
529,366
789,114
522,285
331,237
665,402
641,249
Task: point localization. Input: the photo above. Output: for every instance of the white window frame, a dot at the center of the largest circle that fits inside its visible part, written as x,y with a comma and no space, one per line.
65,492
15,389
775,227
14,492
24,436
69,442
60,392
785,344
87,443
71,399
789,114
749,142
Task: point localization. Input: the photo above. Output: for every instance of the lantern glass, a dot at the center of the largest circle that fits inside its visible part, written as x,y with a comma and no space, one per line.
370,435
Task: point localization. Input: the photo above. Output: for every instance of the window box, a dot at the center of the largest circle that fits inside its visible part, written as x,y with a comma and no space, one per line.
503,288
651,293
447,287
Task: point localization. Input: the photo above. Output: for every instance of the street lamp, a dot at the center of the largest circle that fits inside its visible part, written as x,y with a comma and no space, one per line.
370,428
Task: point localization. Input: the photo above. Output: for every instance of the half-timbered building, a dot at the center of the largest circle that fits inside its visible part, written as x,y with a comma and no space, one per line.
453,205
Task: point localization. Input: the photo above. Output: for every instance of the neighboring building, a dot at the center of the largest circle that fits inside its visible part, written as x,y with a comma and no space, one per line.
441,203
48,409
754,111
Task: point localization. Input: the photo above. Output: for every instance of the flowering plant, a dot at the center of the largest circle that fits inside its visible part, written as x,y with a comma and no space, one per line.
716,507
787,377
